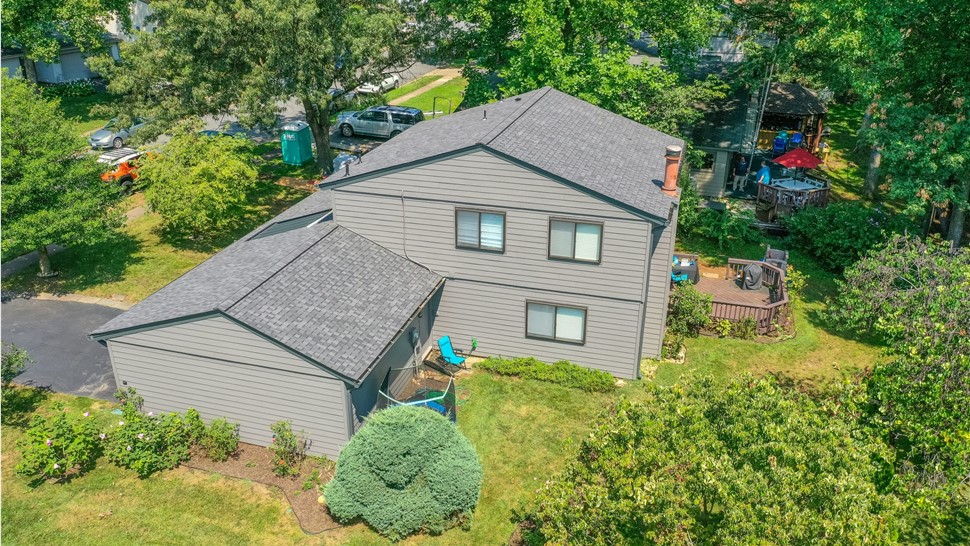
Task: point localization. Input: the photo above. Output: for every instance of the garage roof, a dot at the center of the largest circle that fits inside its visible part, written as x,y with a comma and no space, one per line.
605,154
321,291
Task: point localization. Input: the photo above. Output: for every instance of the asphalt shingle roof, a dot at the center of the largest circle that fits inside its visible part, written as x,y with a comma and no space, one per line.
793,99
321,290
572,139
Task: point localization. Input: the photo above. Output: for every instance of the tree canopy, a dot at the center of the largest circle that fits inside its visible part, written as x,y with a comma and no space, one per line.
582,48
701,463
248,58
199,184
52,190
38,26
914,294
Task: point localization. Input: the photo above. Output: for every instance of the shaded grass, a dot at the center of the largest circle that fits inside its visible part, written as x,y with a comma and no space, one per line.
847,165
272,168
453,90
139,259
411,87
79,109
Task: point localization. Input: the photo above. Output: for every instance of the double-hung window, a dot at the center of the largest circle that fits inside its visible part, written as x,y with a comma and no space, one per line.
480,230
577,241
555,322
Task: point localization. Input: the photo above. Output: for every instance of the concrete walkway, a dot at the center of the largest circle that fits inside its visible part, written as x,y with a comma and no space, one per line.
447,74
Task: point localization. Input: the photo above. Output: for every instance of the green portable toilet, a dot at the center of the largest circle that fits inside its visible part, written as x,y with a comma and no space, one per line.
296,143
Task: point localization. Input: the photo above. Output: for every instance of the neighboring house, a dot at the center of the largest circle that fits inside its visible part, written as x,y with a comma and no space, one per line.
140,13
536,225
71,63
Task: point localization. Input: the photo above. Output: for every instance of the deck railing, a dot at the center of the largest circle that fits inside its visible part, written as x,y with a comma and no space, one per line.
765,316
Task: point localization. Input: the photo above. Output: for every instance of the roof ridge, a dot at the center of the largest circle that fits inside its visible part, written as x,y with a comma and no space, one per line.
498,130
278,266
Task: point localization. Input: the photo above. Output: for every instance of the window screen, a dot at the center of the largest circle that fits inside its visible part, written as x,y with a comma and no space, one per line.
480,230
575,240
555,322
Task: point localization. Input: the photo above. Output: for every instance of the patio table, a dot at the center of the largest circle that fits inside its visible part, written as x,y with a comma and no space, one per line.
691,270
793,184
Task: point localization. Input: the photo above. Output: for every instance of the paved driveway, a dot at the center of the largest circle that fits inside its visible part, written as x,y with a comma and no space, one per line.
55,335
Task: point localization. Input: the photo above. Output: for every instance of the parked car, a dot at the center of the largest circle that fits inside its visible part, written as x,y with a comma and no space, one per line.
340,98
390,81
379,121
113,136
122,167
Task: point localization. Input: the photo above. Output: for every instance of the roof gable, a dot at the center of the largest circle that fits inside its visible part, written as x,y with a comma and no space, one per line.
565,138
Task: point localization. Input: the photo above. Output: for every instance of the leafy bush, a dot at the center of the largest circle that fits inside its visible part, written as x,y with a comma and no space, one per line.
14,362
562,372
73,88
727,226
288,447
129,399
745,328
705,463
722,327
841,233
689,311
56,445
689,215
795,282
194,426
146,443
670,349
407,470
221,440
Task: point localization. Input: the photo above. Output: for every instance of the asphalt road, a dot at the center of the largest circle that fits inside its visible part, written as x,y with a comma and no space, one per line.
54,333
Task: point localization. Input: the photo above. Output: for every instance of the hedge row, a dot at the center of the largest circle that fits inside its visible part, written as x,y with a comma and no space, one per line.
561,373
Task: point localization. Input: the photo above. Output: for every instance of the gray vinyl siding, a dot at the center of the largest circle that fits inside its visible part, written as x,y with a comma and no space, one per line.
495,315
399,355
422,228
224,370
658,289
479,180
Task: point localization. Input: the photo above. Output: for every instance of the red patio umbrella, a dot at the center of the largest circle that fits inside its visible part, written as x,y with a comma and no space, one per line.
798,159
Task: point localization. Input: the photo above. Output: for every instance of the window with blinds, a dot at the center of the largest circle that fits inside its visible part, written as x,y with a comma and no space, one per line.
555,322
578,241
480,230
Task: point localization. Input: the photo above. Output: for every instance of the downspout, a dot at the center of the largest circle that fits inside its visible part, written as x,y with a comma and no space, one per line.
643,304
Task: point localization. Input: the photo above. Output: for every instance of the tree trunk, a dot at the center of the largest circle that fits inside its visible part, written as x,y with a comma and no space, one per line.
959,213
45,263
872,175
863,127
319,124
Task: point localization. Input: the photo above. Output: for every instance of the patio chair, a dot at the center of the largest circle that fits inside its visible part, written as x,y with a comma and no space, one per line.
448,352
679,277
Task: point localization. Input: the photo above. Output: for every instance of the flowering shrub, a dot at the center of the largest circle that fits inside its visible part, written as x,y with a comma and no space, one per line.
146,443
73,88
56,445
128,397
221,440
288,447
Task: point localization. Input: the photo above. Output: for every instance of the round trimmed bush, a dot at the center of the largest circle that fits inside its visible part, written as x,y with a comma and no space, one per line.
409,469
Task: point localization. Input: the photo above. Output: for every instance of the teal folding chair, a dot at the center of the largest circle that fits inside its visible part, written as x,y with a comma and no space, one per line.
448,352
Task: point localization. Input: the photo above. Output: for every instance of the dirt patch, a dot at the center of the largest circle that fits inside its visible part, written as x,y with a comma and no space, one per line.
297,183
255,463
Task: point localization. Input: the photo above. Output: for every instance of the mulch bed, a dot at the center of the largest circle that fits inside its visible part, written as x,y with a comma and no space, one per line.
255,463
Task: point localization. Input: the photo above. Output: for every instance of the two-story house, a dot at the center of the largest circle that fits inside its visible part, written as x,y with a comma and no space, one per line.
540,226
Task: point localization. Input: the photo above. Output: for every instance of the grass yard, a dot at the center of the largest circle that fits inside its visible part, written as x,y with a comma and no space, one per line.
79,109
453,90
846,166
272,166
523,431
138,260
411,87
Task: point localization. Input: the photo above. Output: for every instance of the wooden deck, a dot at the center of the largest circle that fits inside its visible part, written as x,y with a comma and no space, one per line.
729,291
768,307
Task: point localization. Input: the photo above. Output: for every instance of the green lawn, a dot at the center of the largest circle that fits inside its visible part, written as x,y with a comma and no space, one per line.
410,87
523,431
846,165
137,260
453,90
79,109
272,166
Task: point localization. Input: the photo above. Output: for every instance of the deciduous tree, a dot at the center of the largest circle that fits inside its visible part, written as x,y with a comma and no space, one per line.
582,48
248,57
701,463
37,26
52,190
198,184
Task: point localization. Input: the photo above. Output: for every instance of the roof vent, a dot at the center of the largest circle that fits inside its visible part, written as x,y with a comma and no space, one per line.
517,99
347,168
484,115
